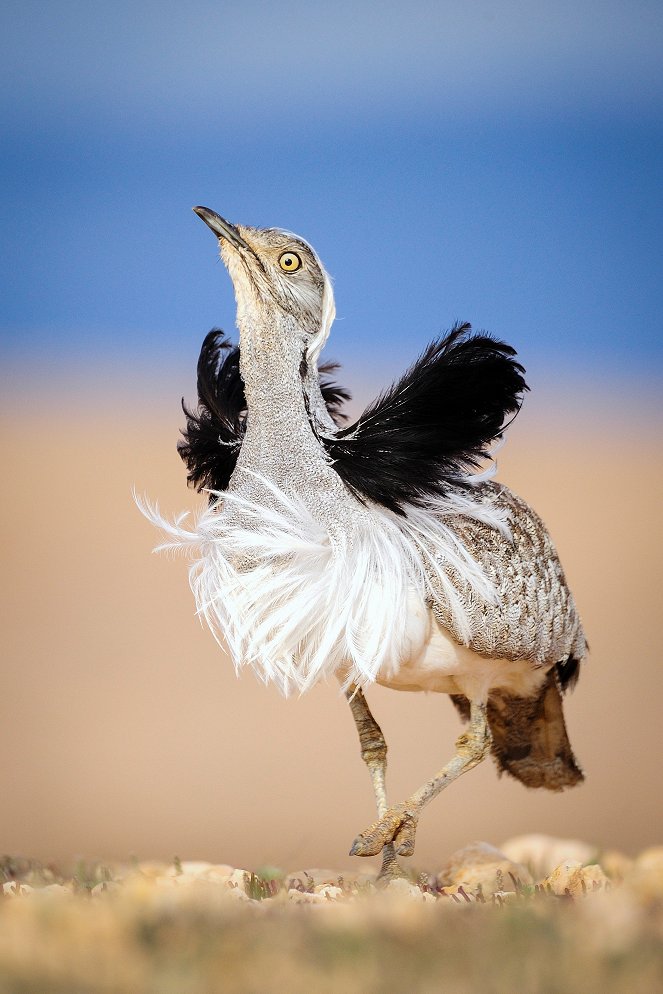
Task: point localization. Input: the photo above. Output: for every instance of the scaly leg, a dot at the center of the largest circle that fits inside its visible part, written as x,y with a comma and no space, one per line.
374,754
396,827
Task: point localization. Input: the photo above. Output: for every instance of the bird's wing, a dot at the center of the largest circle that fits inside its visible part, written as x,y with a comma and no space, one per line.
534,615
429,429
215,429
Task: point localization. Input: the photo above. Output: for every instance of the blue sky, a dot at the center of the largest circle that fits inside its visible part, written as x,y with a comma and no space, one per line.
499,163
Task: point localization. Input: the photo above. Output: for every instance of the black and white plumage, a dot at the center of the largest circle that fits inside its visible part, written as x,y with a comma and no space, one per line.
415,441
376,551
424,434
215,430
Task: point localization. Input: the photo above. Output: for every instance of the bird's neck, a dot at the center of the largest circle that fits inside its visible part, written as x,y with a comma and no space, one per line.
279,442
317,408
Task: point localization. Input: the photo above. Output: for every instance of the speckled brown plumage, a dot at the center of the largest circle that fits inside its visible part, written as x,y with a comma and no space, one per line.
535,616
528,735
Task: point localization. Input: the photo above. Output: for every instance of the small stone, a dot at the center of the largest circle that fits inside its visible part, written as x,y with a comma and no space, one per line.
403,888
542,853
650,859
303,897
615,864
646,876
592,878
329,891
482,865
13,888
572,878
559,881
236,880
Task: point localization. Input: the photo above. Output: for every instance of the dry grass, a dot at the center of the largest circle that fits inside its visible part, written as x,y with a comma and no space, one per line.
203,929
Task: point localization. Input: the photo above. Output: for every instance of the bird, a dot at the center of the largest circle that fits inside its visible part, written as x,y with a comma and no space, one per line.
379,551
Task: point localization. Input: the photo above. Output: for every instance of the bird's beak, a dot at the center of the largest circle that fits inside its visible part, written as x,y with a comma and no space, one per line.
222,228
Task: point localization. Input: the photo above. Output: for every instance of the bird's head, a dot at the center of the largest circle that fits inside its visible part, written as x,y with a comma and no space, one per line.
278,279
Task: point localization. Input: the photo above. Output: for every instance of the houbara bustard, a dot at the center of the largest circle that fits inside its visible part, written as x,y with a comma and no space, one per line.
374,552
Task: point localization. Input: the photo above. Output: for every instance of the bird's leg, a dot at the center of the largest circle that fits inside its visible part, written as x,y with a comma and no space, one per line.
397,826
374,754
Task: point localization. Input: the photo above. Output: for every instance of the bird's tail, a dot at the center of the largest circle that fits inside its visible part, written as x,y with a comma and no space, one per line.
529,737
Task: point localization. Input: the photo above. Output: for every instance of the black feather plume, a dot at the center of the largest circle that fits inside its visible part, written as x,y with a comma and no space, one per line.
424,434
215,430
568,671
333,395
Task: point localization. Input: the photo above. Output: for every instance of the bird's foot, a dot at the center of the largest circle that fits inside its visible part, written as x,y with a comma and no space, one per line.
391,869
398,825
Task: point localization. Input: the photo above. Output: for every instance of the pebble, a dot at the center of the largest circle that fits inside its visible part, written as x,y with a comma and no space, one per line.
15,889
571,877
482,865
542,853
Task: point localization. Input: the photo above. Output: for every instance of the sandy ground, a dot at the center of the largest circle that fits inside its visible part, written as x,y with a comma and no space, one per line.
486,923
124,729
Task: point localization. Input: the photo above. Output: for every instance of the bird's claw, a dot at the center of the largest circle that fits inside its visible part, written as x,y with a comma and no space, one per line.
398,825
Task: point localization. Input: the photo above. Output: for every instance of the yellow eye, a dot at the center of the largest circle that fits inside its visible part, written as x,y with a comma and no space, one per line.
290,262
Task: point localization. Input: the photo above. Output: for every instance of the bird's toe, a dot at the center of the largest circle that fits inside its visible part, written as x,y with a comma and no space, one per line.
404,838
398,825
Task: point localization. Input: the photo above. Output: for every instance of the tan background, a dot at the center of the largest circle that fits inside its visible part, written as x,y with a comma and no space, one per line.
125,731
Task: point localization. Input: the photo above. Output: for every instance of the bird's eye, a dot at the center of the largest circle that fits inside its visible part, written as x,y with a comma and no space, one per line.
290,262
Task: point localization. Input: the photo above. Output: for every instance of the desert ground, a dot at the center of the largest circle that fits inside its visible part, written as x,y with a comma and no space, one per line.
487,921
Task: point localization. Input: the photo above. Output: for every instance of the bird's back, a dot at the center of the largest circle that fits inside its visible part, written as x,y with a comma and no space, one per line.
534,616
